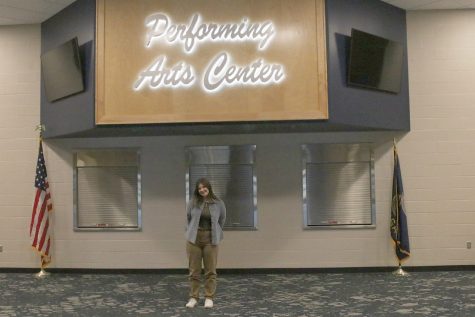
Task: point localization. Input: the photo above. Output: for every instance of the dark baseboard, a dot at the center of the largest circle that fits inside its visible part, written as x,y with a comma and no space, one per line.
95,271
247,271
347,269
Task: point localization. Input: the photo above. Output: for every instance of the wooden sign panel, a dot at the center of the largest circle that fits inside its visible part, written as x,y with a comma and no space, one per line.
172,61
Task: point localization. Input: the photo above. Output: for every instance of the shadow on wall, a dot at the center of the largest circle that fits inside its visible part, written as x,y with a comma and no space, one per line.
343,47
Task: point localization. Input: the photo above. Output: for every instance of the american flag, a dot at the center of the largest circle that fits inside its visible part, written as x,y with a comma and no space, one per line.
40,229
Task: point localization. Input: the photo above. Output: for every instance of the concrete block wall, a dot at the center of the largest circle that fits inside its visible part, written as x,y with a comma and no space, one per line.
438,155
19,114
279,241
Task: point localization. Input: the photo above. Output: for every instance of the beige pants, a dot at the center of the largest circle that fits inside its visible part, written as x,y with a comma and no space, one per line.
202,251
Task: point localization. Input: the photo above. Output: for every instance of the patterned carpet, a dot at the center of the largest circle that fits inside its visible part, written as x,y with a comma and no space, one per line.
446,293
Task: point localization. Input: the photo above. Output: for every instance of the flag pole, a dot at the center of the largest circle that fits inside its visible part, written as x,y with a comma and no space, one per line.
42,273
399,271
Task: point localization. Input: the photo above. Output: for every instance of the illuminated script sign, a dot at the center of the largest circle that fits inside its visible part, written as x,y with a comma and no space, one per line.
221,71
197,61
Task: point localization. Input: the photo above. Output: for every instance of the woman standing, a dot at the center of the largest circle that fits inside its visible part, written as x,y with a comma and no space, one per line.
206,214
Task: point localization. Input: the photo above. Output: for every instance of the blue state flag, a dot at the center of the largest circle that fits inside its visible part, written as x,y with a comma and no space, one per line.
399,232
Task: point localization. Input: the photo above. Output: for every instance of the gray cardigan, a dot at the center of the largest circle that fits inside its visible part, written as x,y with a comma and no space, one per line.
218,217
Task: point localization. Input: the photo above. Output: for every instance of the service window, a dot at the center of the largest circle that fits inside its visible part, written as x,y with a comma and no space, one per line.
107,189
338,186
230,170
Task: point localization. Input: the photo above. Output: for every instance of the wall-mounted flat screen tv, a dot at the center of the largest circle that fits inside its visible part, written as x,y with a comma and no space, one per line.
375,62
62,71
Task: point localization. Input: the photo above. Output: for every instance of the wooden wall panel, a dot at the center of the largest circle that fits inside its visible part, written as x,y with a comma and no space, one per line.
298,45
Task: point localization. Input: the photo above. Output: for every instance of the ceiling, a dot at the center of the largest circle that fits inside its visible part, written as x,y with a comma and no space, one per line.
432,4
29,11
36,11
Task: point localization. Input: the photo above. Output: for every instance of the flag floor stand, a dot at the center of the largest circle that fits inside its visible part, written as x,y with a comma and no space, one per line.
400,272
41,274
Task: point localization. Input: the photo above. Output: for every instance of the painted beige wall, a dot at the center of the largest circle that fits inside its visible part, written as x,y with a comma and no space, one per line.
280,240
19,114
437,159
438,155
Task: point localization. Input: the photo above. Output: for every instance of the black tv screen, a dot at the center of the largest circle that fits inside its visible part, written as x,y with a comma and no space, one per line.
62,72
375,62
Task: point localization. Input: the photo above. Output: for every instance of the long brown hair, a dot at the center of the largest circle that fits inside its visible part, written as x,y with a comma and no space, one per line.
198,199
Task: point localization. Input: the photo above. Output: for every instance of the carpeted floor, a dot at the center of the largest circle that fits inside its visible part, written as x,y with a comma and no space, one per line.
447,293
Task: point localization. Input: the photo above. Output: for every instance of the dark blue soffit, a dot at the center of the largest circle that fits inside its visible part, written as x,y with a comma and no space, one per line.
350,109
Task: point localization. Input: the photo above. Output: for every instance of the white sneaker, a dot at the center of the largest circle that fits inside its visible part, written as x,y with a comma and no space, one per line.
208,303
191,303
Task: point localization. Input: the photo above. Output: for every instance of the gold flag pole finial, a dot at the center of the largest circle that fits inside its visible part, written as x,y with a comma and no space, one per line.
41,128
